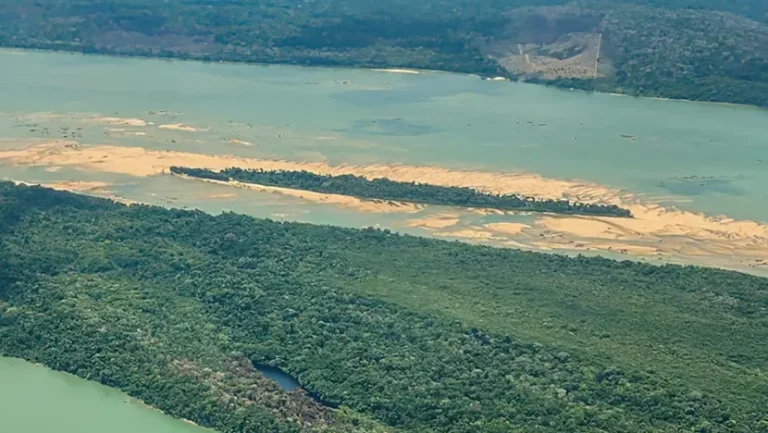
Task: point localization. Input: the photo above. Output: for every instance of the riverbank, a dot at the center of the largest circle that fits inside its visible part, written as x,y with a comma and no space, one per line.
490,77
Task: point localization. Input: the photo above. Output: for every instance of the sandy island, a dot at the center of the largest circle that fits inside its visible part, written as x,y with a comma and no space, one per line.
656,232
180,127
357,204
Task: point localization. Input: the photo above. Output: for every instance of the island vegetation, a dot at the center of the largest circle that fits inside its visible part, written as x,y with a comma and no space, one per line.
710,50
394,333
412,192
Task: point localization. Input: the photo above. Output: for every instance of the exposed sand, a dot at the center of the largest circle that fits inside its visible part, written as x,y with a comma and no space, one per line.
484,211
435,222
138,161
336,199
237,142
398,70
654,221
467,234
178,127
507,228
217,196
653,232
117,121
80,186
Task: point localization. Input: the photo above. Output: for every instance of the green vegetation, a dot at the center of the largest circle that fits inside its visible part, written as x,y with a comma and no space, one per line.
712,50
385,189
402,333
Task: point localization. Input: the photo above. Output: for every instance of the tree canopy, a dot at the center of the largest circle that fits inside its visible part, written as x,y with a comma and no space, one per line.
400,333
711,50
385,189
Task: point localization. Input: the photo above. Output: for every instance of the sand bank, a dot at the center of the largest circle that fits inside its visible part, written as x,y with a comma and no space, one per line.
138,161
117,121
507,228
440,221
467,234
398,70
357,204
654,232
221,196
237,142
180,127
80,186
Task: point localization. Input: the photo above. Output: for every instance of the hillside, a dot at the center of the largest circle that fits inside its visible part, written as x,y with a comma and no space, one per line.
713,50
399,333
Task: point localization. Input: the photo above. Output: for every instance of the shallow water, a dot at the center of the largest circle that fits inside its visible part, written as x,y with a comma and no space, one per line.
34,399
698,157
436,119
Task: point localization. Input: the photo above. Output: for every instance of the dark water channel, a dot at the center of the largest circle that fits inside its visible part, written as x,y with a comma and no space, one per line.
286,381
289,383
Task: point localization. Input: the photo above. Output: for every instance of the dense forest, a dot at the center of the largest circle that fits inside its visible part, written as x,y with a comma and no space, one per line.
393,333
712,50
385,189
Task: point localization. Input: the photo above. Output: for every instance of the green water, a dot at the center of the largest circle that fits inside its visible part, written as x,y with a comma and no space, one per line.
698,157
34,399
355,116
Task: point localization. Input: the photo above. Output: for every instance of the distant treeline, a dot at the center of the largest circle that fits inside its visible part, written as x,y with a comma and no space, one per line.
385,189
708,50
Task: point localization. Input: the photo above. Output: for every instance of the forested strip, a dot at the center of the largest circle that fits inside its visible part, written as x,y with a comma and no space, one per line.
172,306
385,189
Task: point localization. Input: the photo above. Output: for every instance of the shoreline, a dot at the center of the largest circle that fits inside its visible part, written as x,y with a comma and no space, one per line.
399,70
505,235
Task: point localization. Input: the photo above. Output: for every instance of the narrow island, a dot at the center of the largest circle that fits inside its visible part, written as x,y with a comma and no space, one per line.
385,189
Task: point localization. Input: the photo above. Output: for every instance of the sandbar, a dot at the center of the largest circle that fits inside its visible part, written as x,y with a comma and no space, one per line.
655,230
178,127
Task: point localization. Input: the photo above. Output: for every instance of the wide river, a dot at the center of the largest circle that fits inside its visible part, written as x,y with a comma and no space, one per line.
693,174
34,399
